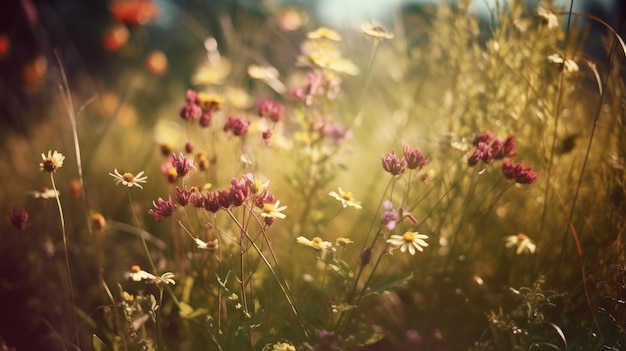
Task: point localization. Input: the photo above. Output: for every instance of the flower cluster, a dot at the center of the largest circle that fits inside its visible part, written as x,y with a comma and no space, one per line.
521,174
242,191
238,126
390,217
270,109
489,149
412,159
201,106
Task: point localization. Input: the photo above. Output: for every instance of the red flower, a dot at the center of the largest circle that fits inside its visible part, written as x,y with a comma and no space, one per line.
19,218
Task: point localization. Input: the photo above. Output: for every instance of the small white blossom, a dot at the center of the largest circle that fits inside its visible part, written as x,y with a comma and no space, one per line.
273,210
522,242
346,198
551,20
210,245
410,241
128,179
316,243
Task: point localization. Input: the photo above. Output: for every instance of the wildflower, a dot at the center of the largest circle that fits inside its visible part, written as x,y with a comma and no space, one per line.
210,245
569,65
375,30
415,159
324,33
270,108
410,241
44,193
522,242
316,243
239,191
255,185
393,164
128,179
210,102
482,153
501,149
161,209
192,109
338,134
269,221
267,135
346,198
343,242
51,162
182,164
137,274
328,341
197,198
548,17
97,221
134,12
156,63
389,216
182,196
283,346
188,147
166,278
526,176
19,218
273,210
518,172
211,202
484,137
224,198
202,159
237,125
262,72
166,149
76,188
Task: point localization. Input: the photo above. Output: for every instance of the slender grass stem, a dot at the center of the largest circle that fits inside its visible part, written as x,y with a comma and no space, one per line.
143,239
67,259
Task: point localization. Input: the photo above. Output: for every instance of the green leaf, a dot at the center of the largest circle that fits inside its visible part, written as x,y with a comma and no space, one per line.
387,283
98,344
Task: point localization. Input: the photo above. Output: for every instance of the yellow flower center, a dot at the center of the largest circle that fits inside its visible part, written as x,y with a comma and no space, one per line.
522,237
268,208
347,195
316,242
409,237
171,175
128,177
135,268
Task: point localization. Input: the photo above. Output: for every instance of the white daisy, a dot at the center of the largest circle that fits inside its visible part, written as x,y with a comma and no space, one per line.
410,241
128,179
522,242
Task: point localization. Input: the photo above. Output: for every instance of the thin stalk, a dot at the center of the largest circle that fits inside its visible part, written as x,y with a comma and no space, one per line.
143,239
67,260
283,286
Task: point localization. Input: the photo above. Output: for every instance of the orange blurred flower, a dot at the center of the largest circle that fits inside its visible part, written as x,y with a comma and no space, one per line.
134,11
